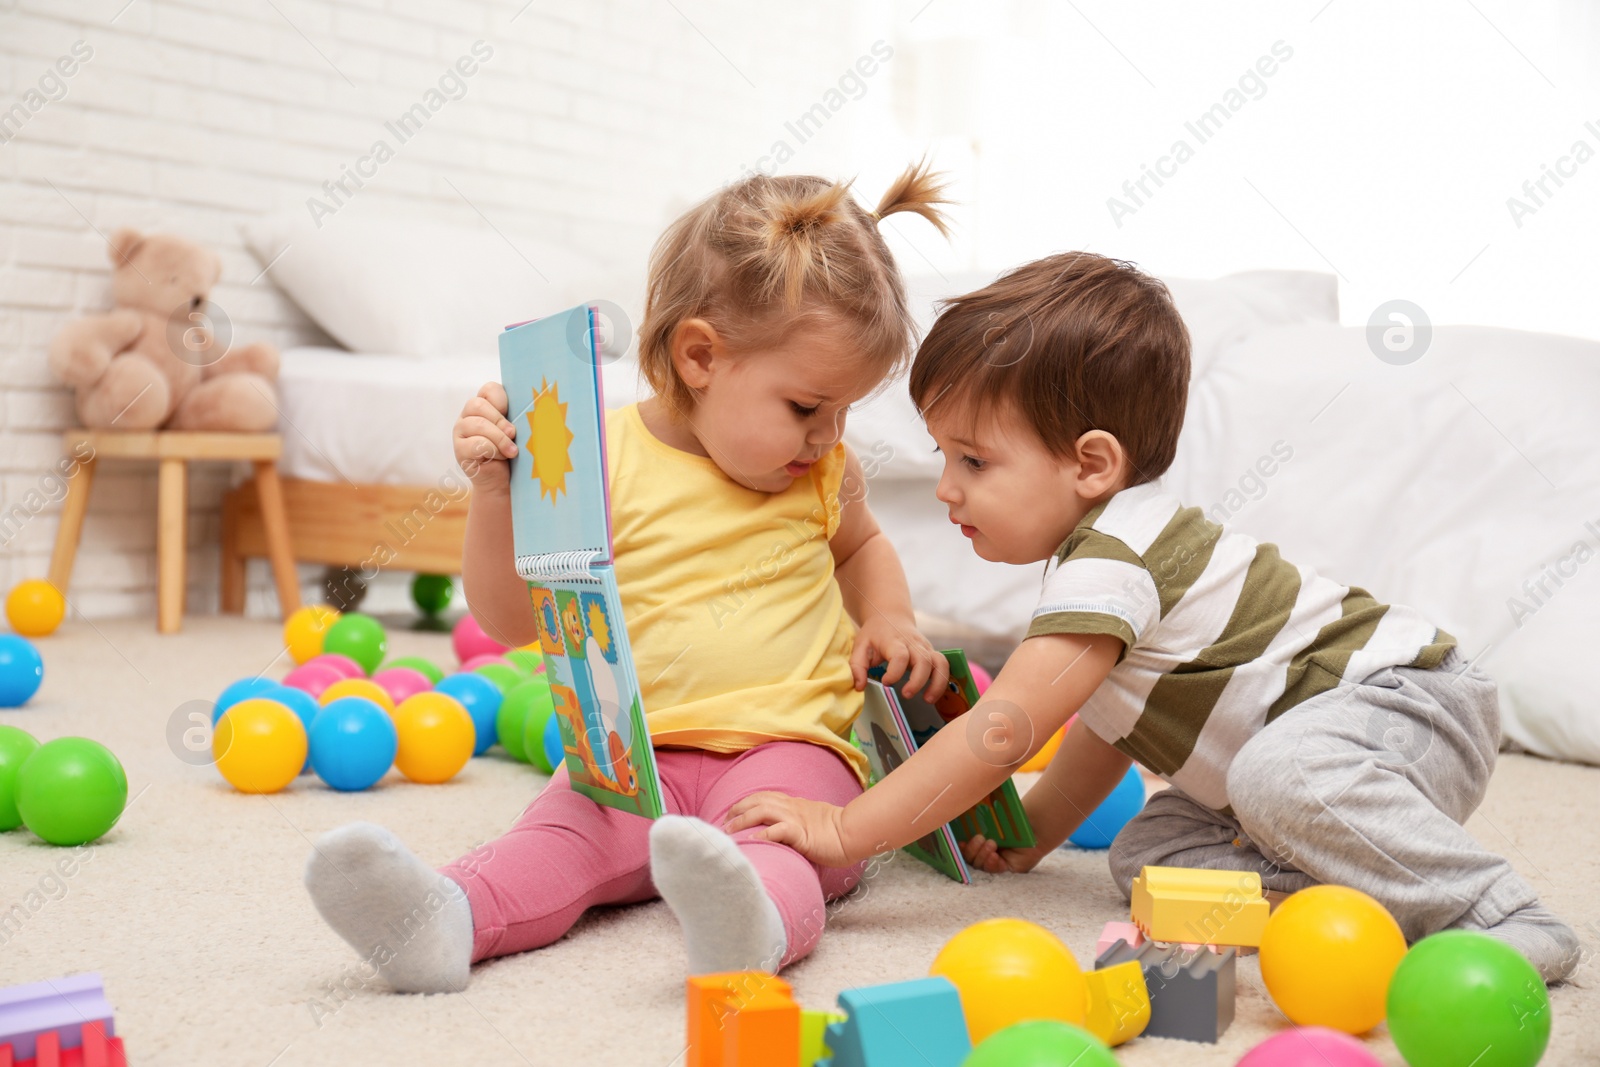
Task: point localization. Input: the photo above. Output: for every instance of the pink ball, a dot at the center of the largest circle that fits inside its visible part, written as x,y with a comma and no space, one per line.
478,661
1310,1046
347,667
470,640
402,683
980,677
313,678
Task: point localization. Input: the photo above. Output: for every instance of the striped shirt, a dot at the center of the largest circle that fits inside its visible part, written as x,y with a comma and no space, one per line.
1221,634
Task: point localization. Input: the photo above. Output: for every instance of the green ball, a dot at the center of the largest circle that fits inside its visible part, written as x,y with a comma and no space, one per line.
536,722
530,699
525,661
504,676
432,593
360,637
1041,1043
15,747
423,666
71,790
1462,997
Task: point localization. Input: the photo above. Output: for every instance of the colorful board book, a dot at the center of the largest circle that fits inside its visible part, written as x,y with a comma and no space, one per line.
561,531
893,726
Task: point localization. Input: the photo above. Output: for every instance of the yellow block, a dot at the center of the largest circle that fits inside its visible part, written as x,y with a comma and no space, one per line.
1200,907
1119,1003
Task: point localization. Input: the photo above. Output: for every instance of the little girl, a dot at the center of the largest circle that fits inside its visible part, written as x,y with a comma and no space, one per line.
744,550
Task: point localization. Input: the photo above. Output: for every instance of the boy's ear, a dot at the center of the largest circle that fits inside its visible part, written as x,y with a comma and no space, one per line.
1102,464
695,344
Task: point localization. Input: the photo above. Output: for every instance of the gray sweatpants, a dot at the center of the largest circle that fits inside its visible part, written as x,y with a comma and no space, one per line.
1366,786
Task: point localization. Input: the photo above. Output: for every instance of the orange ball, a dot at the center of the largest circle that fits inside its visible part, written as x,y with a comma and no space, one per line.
259,745
35,608
304,630
1327,955
358,687
437,737
1009,971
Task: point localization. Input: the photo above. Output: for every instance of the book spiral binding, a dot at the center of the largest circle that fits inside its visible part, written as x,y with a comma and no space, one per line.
573,566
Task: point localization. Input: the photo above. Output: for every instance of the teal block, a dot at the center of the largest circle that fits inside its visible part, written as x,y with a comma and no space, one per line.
918,1022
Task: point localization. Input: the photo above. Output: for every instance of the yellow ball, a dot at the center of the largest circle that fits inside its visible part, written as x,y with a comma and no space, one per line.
1009,971
304,630
35,608
358,687
259,745
1327,955
436,737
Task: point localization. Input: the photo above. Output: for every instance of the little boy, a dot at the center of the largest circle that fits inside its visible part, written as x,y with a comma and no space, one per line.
1309,732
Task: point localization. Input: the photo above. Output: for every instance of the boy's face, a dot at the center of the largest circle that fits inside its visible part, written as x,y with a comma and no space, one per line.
1015,500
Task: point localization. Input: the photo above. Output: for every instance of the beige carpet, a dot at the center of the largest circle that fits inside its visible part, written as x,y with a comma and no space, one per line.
192,907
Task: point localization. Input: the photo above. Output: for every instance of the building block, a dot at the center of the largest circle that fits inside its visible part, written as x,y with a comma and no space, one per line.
1191,993
812,1026
1213,908
59,1005
1115,932
742,1019
918,1022
1119,1002
96,1050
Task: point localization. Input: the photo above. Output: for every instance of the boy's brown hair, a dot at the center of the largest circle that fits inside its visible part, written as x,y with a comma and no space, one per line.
1076,342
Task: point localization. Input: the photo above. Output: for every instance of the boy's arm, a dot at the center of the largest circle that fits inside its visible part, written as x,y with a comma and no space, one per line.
1042,684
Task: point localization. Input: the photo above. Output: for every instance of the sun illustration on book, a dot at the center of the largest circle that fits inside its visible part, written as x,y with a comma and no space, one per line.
600,628
547,422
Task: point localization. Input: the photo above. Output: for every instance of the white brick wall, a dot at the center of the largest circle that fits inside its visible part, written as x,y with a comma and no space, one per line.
601,118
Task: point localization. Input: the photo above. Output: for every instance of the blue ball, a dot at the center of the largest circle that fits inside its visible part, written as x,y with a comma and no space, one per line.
244,689
1114,812
302,704
554,754
353,743
481,698
21,670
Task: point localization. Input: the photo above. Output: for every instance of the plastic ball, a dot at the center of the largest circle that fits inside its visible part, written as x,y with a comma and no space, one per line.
981,678
1463,997
503,675
312,678
71,790
1327,955
432,593
1310,1046
304,630
483,661
304,705
436,737
353,744
35,608
1114,812
341,664
358,687
525,661
240,691
469,640
360,637
511,723
402,683
1041,1043
541,708
16,745
21,670
481,698
554,752
260,745
1011,970
417,663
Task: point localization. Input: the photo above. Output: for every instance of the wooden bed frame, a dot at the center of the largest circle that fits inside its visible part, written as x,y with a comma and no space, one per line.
367,528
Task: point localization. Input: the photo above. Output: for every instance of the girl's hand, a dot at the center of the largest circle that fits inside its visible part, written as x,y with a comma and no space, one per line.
907,653
484,438
810,827
988,856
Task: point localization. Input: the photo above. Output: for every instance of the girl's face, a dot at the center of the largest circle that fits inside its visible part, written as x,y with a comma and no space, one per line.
765,416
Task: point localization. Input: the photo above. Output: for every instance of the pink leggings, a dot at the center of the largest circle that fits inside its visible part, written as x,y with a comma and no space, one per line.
567,854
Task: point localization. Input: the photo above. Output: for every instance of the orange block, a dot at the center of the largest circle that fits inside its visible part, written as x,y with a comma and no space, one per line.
742,1019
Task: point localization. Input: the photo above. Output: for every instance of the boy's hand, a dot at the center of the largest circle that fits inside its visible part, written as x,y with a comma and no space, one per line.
907,654
985,855
484,438
810,827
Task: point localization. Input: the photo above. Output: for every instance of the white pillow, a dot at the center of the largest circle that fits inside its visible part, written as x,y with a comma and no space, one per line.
418,288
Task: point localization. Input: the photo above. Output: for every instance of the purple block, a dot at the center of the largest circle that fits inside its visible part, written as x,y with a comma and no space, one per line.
64,1005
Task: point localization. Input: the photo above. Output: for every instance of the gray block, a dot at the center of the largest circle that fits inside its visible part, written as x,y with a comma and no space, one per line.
1191,992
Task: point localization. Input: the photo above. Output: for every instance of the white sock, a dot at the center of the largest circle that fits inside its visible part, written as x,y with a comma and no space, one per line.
729,922
412,923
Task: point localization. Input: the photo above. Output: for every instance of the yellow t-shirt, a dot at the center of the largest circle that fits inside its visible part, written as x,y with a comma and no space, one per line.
738,630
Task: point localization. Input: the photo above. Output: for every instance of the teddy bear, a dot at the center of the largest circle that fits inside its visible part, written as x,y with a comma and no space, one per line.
154,362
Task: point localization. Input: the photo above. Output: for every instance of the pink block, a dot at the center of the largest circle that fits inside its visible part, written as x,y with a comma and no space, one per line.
1115,932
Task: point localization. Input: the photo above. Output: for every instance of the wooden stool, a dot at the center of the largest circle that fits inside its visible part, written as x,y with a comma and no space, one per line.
173,450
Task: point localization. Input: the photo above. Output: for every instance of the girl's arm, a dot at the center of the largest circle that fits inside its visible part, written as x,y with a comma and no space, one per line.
1042,684
484,442
873,585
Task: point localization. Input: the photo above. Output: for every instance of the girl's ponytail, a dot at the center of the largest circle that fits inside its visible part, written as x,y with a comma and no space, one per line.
918,189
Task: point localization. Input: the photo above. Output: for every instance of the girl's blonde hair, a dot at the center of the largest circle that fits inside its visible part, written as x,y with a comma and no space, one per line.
768,253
